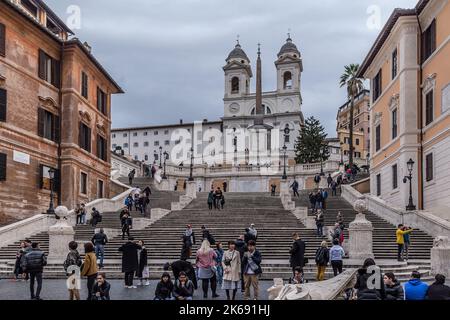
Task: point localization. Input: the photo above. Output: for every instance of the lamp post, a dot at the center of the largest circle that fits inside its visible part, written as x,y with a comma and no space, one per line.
191,177
160,156
51,173
410,206
155,156
166,156
322,174
284,177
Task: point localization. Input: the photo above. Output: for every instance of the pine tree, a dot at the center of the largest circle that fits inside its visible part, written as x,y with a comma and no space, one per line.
311,146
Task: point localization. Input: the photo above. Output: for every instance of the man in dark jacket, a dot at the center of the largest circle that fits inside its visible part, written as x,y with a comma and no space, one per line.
297,253
362,278
394,289
130,262
99,241
241,247
206,234
182,266
184,288
101,288
438,290
34,263
252,269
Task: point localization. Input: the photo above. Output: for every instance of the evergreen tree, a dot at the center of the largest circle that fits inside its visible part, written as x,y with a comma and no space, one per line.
311,146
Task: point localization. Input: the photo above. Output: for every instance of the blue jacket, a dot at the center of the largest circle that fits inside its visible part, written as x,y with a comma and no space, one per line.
415,289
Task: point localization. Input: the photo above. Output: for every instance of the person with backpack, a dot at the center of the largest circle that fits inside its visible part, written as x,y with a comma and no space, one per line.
217,198
34,262
89,268
129,202
73,259
99,240
96,217
294,187
336,233
206,235
126,225
322,258
337,254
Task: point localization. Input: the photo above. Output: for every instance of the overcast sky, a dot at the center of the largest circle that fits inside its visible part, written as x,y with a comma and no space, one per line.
168,54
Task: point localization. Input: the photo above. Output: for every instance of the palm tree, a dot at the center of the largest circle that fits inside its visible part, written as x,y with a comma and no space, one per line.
354,87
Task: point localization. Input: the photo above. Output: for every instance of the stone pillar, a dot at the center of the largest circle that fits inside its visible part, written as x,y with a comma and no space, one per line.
360,234
284,187
165,186
440,257
191,189
60,234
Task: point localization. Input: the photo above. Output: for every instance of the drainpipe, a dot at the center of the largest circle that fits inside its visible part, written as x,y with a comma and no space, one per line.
60,102
422,197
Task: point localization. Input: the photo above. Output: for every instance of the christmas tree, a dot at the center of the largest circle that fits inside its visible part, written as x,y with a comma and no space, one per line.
311,146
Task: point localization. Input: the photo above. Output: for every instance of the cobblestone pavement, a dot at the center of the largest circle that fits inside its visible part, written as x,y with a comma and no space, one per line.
56,290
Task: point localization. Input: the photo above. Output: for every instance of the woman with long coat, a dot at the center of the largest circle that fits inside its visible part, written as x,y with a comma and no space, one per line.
130,263
231,263
143,272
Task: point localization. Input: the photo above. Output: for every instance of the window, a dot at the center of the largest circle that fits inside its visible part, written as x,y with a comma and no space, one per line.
378,138
100,189
125,135
166,131
156,133
102,148
83,183
135,134
287,138
156,143
3,104
3,161
429,107
394,63
84,85
235,85
429,41
156,156
2,40
114,146
357,142
48,125
49,69
102,101
30,7
287,80
167,143
394,177
145,133
394,124
84,137
146,157
429,172
378,185
146,144
125,145
376,85
357,154
136,157
114,135
45,178
136,144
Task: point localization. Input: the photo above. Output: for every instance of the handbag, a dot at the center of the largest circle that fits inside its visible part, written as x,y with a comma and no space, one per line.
146,273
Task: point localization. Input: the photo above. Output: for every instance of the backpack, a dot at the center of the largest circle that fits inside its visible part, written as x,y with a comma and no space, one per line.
320,257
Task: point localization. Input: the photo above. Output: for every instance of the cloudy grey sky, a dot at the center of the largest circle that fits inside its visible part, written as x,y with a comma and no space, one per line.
168,54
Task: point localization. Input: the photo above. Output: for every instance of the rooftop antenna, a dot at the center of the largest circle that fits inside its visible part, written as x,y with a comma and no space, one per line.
237,40
289,33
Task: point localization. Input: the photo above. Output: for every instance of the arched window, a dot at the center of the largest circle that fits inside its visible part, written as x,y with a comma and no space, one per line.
287,80
266,110
235,85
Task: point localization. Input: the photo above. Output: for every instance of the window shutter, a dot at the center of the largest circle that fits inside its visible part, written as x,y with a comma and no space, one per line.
3,104
2,40
41,121
42,58
88,138
57,181
3,159
433,35
56,73
56,129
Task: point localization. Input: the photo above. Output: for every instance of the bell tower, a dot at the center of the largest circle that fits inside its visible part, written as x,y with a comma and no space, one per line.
238,73
289,68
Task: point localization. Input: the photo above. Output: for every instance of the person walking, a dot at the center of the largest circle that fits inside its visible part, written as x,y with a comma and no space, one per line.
210,200
324,194
317,180
206,265
217,198
336,233
297,252
99,240
131,176
73,259
225,186
241,247
164,288
401,240
322,258
126,225
394,289
337,254
188,239
78,214
252,230
89,268
319,200
101,288
320,222
365,291
273,189
438,290
96,217
34,263
83,214
130,263
312,201
415,289
252,270
329,180
219,269
143,271
295,187
206,235
183,288
129,202
17,268
231,264
334,187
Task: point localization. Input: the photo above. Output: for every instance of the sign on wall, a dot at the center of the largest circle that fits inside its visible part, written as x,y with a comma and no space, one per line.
21,157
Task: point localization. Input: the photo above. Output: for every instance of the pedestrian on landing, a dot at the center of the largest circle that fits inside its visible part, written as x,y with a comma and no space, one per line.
319,200
438,290
334,186
164,289
99,240
252,270
131,176
273,189
329,180
394,289
184,288
101,289
337,254
241,247
231,264
210,200
320,222
34,262
322,258
297,252
219,269
89,267
217,198
17,268
400,233
295,187
415,289
363,278
130,261
73,260
143,272
206,265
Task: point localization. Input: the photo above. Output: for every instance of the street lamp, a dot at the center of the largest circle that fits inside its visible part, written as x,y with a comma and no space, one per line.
166,156
51,173
191,177
160,156
410,165
155,156
284,177
322,174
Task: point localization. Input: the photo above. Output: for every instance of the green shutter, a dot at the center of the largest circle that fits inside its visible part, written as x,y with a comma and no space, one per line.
3,160
3,104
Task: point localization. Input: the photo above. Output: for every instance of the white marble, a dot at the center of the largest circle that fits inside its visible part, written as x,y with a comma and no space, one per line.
60,234
440,257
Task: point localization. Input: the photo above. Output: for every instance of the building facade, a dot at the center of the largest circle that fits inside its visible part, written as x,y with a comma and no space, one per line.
361,127
55,112
409,69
